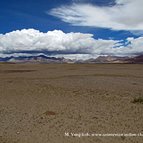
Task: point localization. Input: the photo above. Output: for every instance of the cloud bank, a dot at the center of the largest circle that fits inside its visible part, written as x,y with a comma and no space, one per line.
69,45
124,15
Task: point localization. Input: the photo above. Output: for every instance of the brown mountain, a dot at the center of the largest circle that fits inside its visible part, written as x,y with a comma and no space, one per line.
114,59
137,59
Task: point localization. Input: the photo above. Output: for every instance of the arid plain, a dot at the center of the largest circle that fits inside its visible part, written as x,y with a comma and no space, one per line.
39,103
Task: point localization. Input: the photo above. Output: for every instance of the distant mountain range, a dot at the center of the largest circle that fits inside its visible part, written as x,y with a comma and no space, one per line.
46,59
35,59
116,59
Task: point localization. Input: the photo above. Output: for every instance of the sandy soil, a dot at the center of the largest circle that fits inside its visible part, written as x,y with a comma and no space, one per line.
39,102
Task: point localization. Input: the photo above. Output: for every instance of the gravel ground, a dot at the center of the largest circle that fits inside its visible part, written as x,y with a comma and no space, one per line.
39,103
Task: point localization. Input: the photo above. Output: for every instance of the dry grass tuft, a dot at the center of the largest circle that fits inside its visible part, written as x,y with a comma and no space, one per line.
138,100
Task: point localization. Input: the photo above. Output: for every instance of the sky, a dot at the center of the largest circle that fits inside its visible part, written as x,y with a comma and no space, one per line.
78,29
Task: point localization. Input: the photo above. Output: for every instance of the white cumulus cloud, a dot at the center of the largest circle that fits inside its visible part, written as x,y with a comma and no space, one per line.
124,15
72,45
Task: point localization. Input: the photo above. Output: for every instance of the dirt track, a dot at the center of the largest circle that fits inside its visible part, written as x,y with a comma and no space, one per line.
39,102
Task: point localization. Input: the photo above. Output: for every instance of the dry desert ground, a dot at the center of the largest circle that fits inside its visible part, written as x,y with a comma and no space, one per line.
39,103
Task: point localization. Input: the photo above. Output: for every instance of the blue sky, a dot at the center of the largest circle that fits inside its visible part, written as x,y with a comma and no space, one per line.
20,14
117,22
